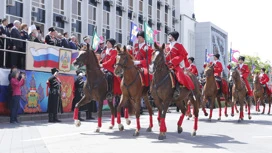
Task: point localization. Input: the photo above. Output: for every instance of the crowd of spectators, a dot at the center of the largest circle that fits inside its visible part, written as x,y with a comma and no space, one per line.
32,33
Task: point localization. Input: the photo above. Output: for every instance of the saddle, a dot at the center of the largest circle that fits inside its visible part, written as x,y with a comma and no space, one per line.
141,74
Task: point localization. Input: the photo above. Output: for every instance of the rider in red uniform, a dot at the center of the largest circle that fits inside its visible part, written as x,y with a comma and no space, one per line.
218,68
108,59
142,54
264,79
192,68
244,71
175,54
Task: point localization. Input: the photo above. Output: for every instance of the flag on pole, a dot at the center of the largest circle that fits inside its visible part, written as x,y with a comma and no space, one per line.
233,59
95,41
230,60
207,56
133,32
253,67
148,34
155,32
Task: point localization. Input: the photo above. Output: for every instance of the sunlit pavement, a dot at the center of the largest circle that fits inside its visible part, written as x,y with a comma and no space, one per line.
225,136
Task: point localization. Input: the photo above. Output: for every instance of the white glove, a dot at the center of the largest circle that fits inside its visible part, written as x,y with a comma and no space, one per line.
129,47
101,65
241,76
146,47
137,62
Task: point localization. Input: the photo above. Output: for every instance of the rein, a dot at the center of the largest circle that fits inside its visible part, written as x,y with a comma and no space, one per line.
123,65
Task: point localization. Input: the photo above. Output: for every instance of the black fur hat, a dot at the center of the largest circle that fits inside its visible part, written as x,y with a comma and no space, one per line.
141,33
112,41
217,56
241,58
78,72
191,58
174,34
54,70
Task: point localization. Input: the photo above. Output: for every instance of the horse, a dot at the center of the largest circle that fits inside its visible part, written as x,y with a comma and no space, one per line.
259,94
239,93
132,90
162,91
210,92
95,87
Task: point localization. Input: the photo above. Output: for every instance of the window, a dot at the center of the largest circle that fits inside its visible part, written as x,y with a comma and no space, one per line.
106,6
166,8
118,35
16,10
38,3
166,18
173,13
76,9
150,2
141,6
90,29
93,2
130,13
58,6
119,10
150,11
38,11
158,15
106,19
119,2
130,4
92,14
158,37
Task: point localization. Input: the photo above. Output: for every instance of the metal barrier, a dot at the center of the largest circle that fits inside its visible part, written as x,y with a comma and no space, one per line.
5,50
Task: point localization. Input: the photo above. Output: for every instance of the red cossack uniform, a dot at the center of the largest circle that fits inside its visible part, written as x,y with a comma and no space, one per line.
263,80
108,62
192,68
140,54
244,70
218,68
174,56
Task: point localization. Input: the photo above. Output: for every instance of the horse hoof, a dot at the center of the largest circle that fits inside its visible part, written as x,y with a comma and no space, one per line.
206,114
232,115
262,112
219,119
97,130
128,122
240,120
149,129
237,111
268,113
210,120
161,137
121,127
190,115
249,117
111,127
137,133
77,123
180,129
193,134
188,118
226,115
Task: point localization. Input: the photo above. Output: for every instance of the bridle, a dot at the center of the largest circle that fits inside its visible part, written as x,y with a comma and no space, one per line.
123,65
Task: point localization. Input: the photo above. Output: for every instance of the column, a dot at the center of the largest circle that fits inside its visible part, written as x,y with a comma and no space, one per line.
68,15
27,7
48,15
113,20
3,9
84,17
125,23
99,18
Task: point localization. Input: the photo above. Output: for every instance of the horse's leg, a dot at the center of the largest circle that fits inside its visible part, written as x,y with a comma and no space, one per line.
269,101
241,116
137,106
150,111
256,103
204,105
163,128
110,103
123,99
235,106
196,113
181,106
226,105
99,114
219,105
83,101
212,99
248,106
263,103
188,112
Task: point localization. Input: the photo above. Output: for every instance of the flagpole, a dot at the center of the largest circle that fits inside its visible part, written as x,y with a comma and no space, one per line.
230,52
146,54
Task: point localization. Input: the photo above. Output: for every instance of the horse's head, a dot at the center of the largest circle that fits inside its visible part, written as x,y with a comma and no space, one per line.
157,58
256,77
123,60
234,73
82,57
209,70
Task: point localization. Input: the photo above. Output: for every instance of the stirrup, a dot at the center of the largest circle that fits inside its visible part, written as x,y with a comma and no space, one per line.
109,96
176,94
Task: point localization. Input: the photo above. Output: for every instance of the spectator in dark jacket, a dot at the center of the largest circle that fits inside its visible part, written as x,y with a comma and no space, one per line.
65,41
50,38
3,33
16,44
72,43
24,36
33,34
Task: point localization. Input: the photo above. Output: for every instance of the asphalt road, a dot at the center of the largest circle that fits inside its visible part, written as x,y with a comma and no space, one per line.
225,136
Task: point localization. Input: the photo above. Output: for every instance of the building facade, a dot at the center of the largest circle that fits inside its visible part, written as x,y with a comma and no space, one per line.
210,39
112,18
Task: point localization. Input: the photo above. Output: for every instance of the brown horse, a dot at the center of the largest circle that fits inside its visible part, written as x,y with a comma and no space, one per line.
162,90
259,94
95,87
132,89
239,93
210,92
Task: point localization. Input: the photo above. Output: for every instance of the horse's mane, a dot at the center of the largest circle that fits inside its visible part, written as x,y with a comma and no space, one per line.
130,56
95,58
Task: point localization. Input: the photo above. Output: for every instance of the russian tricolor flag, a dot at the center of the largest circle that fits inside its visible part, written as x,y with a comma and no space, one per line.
4,82
45,57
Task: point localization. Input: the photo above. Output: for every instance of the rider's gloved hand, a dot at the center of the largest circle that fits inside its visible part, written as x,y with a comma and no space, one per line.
137,62
146,47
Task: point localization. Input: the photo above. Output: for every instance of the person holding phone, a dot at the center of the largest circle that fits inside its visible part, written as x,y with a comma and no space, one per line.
16,85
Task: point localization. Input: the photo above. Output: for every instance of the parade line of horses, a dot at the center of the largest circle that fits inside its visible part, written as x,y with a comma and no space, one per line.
162,90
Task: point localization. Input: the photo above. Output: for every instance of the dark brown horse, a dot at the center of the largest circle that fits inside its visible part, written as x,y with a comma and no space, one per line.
239,93
162,90
132,89
259,94
210,92
95,87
